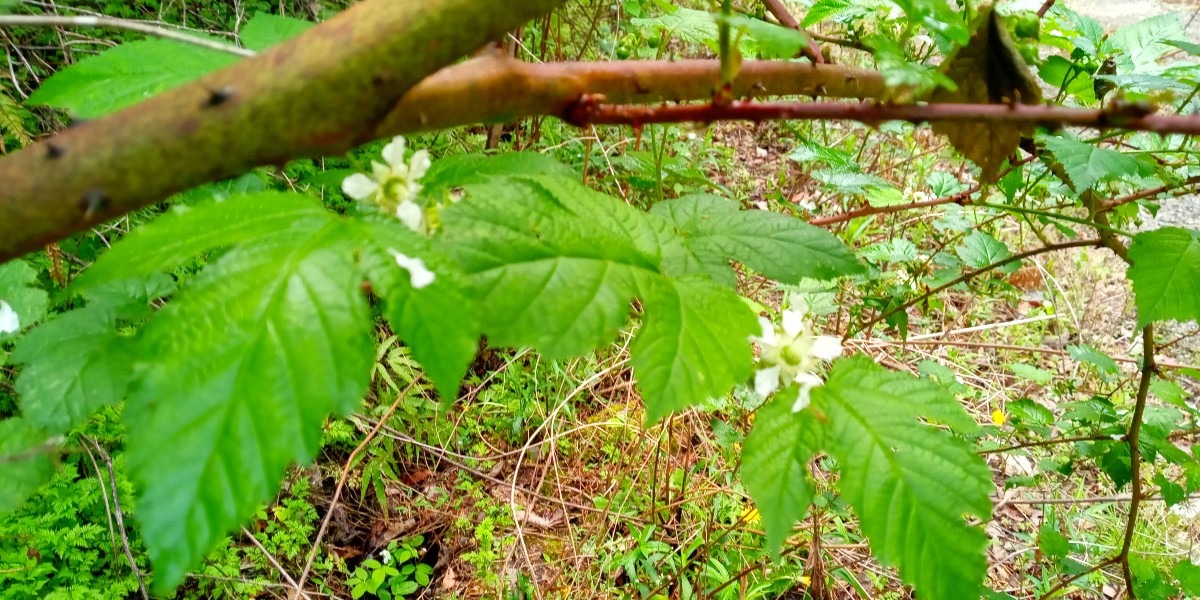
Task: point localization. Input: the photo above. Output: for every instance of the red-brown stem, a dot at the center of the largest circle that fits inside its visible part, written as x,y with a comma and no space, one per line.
812,51
587,113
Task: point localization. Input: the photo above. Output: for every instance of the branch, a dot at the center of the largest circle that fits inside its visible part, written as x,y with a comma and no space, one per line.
1115,116
319,94
505,89
812,51
126,24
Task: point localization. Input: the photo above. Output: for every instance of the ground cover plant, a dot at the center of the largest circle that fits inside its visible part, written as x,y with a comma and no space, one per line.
659,299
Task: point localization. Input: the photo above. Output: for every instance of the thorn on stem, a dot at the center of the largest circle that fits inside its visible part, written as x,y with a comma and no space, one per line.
93,201
218,97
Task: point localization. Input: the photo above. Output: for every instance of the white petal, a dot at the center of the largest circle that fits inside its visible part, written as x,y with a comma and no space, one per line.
802,400
393,153
411,214
793,322
766,381
9,322
826,347
808,380
380,171
418,275
419,164
768,332
359,186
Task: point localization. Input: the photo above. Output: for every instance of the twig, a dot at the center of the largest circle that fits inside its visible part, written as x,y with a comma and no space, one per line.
1045,8
125,24
275,563
1150,193
1135,452
1115,116
976,273
337,492
1061,585
119,515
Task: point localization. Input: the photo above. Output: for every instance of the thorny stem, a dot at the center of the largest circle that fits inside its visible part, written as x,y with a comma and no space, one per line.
1131,117
976,273
1135,452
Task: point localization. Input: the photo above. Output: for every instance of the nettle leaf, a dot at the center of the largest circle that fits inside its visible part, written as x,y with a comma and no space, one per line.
556,274
125,75
437,321
1166,275
75,364
24,467
1138,47
692,344
1088,165
912,485
236,376
21,297
266,30
775,459
186,232
979,250
988,70
716,231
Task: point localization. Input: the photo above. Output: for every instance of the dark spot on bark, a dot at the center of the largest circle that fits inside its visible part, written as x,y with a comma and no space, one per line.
76,122
54,151
381,79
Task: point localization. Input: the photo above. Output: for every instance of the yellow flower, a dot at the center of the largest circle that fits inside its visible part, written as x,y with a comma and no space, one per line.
998,417
750,515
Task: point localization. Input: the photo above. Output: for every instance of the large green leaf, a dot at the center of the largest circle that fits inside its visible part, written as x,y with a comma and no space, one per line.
775,460
24,466
236,377
980,250
125,75
20,294
446,174
439,321
692,345
74,365
938,17
1088,165
780,247
186,232
1166,275
912,485
553,263
1138,47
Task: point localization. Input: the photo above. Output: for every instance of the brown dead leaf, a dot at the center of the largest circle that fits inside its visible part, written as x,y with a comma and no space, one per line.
988,70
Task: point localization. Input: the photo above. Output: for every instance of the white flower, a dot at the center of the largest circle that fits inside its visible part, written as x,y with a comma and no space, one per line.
9,322
385,556
418,275
791,355
394,184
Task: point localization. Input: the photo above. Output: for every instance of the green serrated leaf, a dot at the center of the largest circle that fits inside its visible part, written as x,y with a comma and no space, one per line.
553,263
1088,354
461,170
187,232
20,294
911,484
1088,165
238,374
1032,373
822,10
692,345
74,365
1169,392
775,460
1188,575
24,466
988,70
1149,582
1075,81
125,75
266,30
1166,275
1052,542
437,321
780,247
1139,46
980,250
